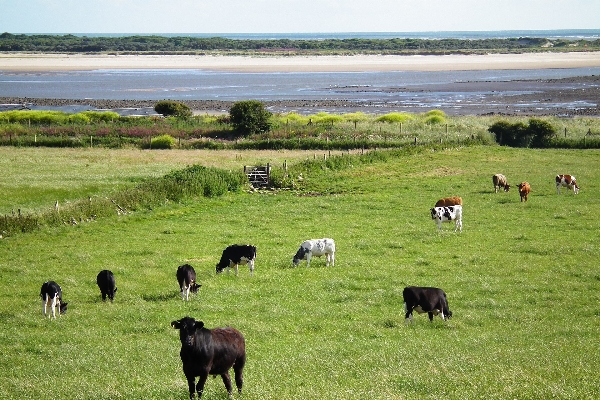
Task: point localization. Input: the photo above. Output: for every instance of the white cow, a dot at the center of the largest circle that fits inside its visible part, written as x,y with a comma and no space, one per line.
315,248
451,213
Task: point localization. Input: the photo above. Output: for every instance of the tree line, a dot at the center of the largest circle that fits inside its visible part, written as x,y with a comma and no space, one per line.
179,44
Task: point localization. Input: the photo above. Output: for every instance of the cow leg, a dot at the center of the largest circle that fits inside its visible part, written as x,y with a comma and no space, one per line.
430,316
308,256
103,296
239,376
408,314
53,305
44,305
191,385
227,381
251,266
235,268
199,386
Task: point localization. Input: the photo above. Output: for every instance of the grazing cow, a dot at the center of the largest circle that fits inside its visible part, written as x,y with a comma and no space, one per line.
106,283
51,295
235,255
499,181
186,276
428,300
449,201
210,351
524,190
568,181
452,213
315,248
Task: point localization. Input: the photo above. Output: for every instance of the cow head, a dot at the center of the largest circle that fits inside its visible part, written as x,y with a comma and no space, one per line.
506,187
220,267
187,330
194,287
63,308
300,255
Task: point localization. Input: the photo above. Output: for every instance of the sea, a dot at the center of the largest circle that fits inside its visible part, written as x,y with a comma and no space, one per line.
191,84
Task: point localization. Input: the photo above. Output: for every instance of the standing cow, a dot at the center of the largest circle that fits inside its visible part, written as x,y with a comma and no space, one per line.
235,255
568,181
51,295
447,214
210,352
106,283
186,276
315,248
428,300
499,181
524,190
449,201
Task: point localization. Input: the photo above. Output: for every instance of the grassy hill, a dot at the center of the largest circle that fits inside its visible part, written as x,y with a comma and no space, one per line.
522,282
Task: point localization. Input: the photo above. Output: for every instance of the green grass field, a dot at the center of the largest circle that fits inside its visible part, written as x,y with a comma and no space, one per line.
522,280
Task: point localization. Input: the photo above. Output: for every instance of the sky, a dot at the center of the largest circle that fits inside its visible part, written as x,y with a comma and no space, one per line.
293,16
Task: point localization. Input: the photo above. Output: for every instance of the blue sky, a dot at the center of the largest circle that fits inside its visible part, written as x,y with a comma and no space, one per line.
288,16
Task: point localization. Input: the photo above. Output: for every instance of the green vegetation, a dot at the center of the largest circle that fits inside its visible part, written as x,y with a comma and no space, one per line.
525,311
250,117
169,108
185,44
250,126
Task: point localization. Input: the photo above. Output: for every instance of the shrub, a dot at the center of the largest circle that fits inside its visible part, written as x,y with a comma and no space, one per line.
250,117
170,108
162,142
394,117
540,131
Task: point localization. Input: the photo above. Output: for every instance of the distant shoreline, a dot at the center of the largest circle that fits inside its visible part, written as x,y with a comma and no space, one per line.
28,62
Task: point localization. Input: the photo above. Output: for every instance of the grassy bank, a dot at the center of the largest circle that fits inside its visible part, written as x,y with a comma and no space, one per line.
521,279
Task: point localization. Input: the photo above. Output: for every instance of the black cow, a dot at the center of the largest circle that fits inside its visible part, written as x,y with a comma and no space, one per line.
210,352
51,295
428,300
235,255
107,285
186,276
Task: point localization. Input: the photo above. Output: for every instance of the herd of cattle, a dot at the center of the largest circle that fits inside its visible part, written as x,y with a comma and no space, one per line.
215,351
450,208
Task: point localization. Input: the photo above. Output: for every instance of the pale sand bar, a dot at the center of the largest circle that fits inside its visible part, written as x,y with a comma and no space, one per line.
20,62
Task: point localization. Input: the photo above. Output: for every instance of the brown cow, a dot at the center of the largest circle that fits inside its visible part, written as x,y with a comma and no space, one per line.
499,181
449,201
524,190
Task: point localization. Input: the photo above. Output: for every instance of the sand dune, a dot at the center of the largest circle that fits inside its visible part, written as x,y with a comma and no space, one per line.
65,62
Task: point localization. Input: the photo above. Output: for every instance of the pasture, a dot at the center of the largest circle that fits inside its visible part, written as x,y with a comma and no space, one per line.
522,281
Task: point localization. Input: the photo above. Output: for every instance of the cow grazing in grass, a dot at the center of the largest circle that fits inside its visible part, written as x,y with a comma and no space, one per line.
235,255
51,295
186,276
316,248
447,214
428,300
568,181
499,181
107,285
524,190
449,201
210,352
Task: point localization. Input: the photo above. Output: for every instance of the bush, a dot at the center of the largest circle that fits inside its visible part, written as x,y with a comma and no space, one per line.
162,142
170,108
394,117
250,117
541,132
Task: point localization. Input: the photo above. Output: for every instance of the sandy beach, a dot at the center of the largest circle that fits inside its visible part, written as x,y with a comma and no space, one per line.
72,62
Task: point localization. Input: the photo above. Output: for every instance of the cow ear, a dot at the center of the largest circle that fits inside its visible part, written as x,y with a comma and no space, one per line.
199,325
176,324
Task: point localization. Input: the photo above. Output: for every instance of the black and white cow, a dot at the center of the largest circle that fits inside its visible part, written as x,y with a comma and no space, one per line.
186,276
51,295
315,248
428,300
107,285
237,254
451,213
210,352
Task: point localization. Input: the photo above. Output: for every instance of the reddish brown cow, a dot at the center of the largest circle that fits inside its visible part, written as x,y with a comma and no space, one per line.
568,181
449,201
524,190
